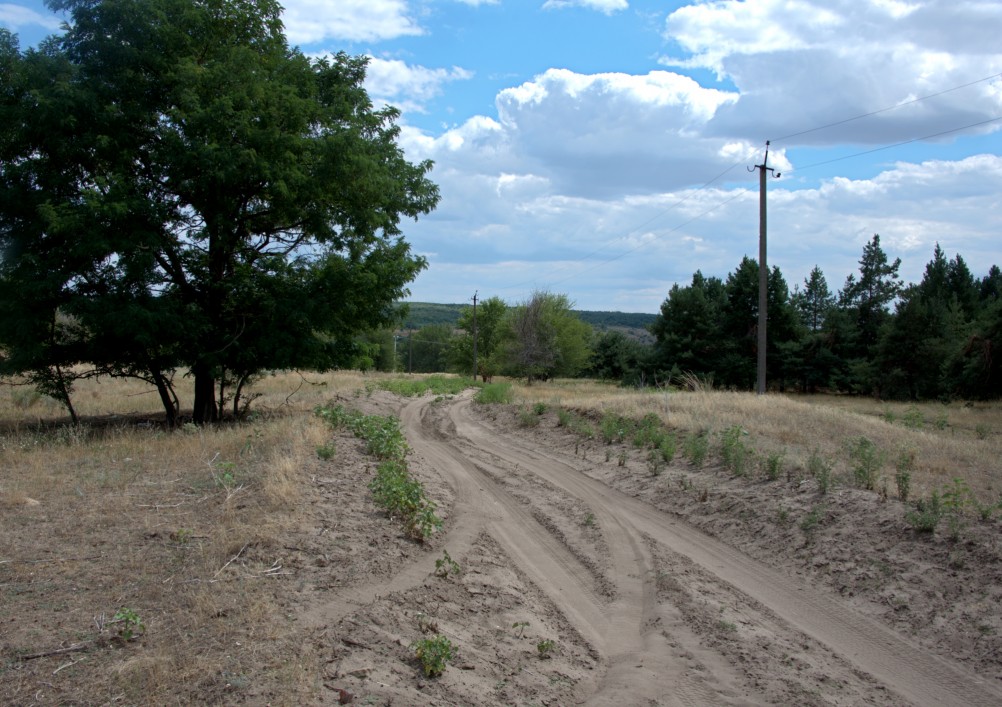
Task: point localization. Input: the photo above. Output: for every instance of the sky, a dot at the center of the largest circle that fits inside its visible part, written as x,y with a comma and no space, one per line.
606,149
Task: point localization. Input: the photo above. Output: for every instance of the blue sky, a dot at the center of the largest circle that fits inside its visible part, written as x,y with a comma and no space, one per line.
599,148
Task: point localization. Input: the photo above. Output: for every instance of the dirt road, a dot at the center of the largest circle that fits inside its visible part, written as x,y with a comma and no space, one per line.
649,610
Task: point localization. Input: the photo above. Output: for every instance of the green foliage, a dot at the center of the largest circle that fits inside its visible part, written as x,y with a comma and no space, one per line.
655,463
867,461
614,428
812,520
957,501
326,452
667,448
821,469
545,338
545,648
438,385
696,446
527,418
539,408
433,654
445,565
131,624
520,626
180,188
913,418
904,465
393,488
773,465
734,453
927,514
495,393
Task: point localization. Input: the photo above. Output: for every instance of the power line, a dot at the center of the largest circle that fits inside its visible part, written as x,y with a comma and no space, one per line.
743,191
897,144
884,110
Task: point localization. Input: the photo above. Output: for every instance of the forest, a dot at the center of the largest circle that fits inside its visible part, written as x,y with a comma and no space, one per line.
876,335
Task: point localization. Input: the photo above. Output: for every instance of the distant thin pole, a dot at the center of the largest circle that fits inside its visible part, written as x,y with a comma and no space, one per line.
763,273
475,336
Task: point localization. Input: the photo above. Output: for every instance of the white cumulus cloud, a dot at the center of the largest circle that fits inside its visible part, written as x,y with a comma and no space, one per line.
310,21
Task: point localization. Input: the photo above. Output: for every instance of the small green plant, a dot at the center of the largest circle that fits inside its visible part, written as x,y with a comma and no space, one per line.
982,431
927,514
809,523
957,499
131,624
564,418
621,459
733,450
727,626
433,654
867,461
613,427
913,418
942,421
667,448
225,476
589,520
520,626
539,408
773,465
182,536
696,446
655,463
545,648
528,418
903,466
783,515
821,469
445,565
327,451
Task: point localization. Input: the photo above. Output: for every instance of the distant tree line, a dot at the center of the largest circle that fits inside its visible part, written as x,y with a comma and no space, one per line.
938,338
874,336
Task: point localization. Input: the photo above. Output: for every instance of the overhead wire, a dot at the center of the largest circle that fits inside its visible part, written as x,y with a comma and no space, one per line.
690,194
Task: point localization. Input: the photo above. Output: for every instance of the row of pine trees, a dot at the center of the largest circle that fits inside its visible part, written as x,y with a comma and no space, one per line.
938,338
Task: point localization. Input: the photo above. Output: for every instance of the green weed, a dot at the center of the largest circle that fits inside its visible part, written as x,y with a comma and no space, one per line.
433,654
867,461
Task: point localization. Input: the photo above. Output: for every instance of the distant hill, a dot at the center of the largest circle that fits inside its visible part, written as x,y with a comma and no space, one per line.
633,324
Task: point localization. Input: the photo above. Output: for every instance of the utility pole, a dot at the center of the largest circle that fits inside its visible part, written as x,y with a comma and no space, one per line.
475,336
763,270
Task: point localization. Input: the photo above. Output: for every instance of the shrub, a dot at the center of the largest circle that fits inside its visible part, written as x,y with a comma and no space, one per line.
528,418
613,427
867,461
773,465
733,450
695,447
821,470
494,393
667,448
927,514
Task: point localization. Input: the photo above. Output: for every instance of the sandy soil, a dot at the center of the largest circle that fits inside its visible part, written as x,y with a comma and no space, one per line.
582,578
651,595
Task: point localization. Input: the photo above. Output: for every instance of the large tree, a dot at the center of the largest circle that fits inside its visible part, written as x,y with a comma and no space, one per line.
180,188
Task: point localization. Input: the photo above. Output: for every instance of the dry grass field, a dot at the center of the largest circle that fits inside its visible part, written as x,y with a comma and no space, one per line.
120,531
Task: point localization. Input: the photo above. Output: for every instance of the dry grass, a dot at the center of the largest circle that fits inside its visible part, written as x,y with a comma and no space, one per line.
959,440
121,513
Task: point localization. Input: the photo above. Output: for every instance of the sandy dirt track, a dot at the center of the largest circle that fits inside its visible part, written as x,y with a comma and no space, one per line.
646,609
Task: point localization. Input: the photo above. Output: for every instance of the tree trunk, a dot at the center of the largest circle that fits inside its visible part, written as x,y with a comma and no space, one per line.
204,409
168,400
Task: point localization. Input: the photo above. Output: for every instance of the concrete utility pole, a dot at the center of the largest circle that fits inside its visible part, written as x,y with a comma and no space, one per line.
763,270
475,336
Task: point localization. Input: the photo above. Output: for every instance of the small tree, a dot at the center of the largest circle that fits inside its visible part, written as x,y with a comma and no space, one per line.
546,338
